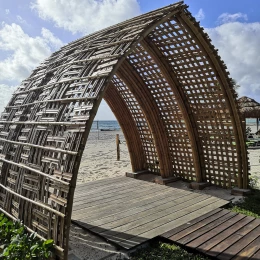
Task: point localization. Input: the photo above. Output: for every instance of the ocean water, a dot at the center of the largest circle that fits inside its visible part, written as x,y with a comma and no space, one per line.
113,124
105,125
251,121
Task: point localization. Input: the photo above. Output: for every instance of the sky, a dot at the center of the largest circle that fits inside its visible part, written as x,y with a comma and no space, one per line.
30,30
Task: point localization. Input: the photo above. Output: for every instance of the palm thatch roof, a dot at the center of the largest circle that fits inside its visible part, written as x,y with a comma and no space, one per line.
249,107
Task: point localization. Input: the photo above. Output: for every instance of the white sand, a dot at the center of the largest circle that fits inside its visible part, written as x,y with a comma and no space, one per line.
99,161
100,157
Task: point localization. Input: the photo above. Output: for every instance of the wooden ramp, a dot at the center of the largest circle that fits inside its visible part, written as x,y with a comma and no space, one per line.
129,212
221,234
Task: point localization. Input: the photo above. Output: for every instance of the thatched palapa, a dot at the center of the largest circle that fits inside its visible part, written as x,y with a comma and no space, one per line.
169,90
248,107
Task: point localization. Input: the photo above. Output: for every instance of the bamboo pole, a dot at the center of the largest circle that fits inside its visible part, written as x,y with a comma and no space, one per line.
98,129
52,85
36,171
33,202
57,150
77,124
62,100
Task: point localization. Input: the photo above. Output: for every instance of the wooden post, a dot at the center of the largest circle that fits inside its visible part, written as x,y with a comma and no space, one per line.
257,124
97,130
117,147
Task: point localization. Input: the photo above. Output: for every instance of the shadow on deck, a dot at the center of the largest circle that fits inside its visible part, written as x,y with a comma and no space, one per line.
129,212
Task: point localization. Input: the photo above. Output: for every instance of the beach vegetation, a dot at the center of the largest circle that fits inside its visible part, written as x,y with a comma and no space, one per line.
248,131
17,244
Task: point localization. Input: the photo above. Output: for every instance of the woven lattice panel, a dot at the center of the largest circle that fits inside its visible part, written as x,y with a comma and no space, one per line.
152,162
169,112
169,90
206,100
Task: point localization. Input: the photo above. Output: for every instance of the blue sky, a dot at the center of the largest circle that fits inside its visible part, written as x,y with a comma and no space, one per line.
30,30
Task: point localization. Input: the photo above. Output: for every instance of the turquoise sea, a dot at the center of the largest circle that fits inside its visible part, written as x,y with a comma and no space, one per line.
251,121
105,125
113,124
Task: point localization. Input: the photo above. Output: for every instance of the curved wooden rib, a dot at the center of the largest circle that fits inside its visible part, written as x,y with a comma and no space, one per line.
168,73
143,96
124,117
226,86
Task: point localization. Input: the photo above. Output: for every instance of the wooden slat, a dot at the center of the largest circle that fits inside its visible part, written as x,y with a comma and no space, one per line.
199,225
131,214
153,214
242,242
221,234
215,245
174,231
227,244
154,202
215,231
205,229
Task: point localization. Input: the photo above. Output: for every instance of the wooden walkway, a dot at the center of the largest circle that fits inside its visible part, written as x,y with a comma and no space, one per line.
221,234
129,212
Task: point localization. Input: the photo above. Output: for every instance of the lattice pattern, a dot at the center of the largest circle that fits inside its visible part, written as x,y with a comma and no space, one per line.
179,116
141,124
179,144
206,100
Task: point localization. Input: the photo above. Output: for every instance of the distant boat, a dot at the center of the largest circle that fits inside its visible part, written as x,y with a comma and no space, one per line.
108,129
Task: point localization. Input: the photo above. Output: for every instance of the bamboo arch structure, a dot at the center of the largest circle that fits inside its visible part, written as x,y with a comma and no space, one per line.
169,90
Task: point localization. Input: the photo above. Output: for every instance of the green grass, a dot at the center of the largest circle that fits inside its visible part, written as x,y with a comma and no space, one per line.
164,251
250,206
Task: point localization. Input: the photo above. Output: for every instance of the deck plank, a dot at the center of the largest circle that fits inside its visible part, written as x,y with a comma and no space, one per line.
191,223
143,216
241,243
113,207
214,247
129,212
220,234
227,244
153,216
202,223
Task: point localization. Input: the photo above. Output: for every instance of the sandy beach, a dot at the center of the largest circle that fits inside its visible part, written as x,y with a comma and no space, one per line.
100,157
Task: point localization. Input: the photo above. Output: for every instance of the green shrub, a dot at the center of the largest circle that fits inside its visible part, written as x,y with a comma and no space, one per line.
17,244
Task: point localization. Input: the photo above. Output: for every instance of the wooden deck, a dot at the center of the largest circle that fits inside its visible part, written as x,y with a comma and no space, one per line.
129,212
221,234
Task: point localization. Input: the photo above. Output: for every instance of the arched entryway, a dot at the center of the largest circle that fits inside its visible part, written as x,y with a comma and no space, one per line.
166,85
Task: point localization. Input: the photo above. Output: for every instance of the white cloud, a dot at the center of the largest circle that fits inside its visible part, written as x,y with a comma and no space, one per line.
229,18
27,52
20,19
24,54
85,16
238,45
200,15
7,11
55,42
5,95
